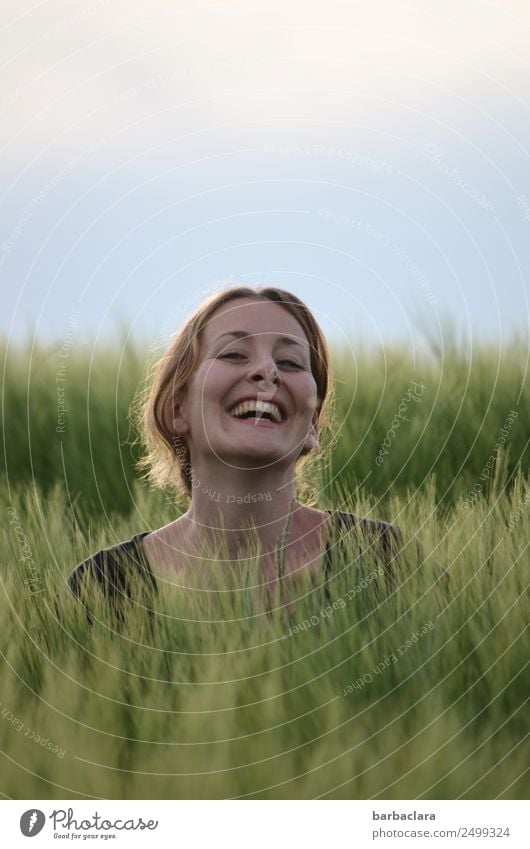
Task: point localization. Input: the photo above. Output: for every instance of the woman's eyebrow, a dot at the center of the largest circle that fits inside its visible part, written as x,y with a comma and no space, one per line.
243,334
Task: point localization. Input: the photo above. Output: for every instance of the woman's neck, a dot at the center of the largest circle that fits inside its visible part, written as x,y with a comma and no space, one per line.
230,508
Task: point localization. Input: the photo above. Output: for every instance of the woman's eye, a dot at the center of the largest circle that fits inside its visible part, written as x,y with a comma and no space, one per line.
237,355
290,363
232,355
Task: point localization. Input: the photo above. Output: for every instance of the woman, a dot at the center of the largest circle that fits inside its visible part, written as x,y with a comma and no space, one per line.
235,404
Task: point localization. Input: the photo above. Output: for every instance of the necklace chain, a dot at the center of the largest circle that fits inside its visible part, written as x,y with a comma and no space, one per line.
280,550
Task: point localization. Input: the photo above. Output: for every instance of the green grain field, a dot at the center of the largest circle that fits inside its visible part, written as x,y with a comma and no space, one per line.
413,688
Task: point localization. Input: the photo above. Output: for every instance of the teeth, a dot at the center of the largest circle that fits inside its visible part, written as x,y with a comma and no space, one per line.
257,407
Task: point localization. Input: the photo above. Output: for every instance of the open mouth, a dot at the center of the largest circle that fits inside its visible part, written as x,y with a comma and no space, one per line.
258,410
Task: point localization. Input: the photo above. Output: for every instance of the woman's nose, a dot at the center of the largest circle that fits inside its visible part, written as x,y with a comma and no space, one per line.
265,374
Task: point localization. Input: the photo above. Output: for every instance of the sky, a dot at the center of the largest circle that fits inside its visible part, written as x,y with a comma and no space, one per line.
372,158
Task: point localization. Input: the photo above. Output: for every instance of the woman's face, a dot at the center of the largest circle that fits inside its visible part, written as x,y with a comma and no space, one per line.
252,400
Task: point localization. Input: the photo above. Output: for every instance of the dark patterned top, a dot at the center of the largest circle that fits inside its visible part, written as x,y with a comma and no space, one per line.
112,567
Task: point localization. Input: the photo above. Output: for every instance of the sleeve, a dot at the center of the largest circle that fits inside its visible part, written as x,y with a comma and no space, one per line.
100,569
379,543
119,574
386,540
105,571
399,554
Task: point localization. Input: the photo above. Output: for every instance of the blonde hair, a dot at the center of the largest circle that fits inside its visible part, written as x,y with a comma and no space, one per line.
154,410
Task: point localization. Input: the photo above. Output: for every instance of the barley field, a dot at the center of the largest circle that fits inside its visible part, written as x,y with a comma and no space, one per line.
414,687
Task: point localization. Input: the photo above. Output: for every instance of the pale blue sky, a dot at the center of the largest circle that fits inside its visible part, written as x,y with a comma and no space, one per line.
372,160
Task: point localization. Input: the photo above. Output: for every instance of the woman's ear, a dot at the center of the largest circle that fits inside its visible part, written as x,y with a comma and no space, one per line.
311,440
175,414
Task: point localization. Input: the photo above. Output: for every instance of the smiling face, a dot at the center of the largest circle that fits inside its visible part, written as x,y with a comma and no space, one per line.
252,400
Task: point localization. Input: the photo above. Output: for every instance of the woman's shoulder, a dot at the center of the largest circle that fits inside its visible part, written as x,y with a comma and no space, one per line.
109,567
